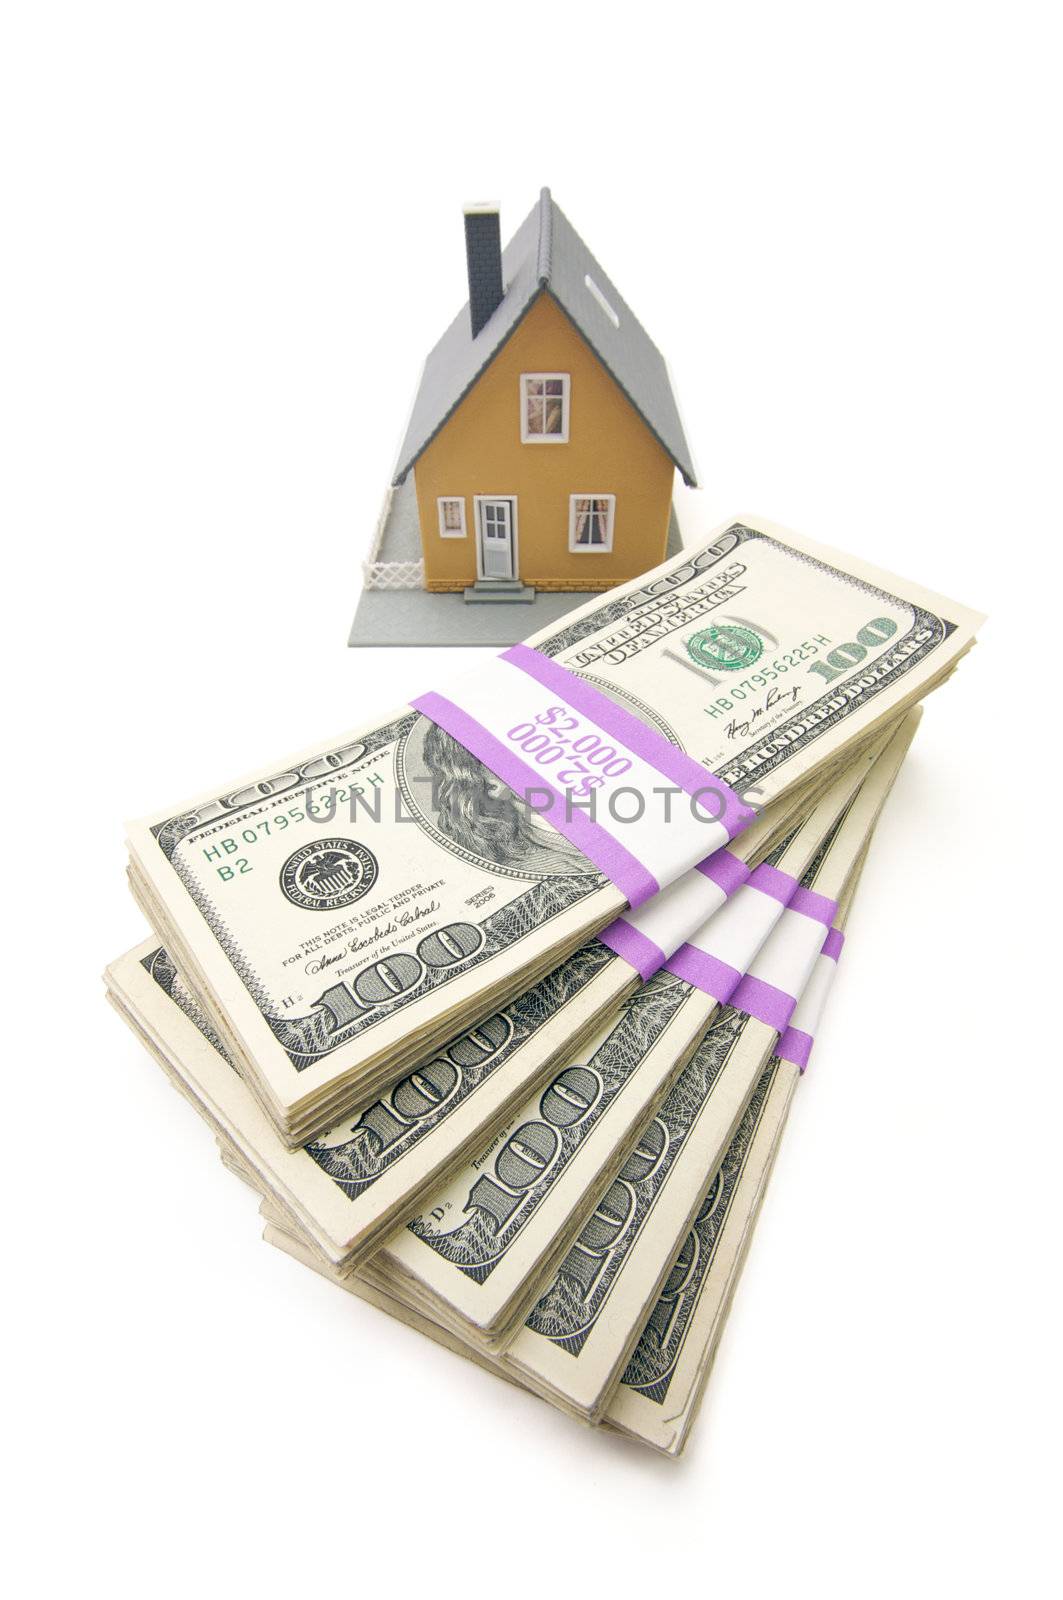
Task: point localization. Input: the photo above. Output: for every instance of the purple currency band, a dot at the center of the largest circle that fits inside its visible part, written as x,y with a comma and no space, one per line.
764,1002
634,947
816,906
726,870
697,967
770,880
795,1044
657,751
633,880
707,973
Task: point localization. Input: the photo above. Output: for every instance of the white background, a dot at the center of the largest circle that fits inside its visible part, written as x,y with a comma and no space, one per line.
231,233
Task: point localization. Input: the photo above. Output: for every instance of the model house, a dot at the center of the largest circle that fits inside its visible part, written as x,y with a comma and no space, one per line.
544,435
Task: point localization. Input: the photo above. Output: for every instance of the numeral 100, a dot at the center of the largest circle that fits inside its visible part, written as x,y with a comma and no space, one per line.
844,656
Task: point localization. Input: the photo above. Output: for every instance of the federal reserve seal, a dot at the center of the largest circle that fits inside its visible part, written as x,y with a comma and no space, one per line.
328,874
727,648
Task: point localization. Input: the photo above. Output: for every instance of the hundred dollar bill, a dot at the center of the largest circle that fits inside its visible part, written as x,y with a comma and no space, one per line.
580,1335
659,1395
341,913
180,1038
660,1392
349,1187
662,1386
661,1389
486,1238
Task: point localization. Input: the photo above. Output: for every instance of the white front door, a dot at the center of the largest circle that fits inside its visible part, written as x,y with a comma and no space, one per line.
496,539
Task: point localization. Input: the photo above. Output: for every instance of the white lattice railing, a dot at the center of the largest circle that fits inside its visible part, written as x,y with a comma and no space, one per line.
389,574
393,574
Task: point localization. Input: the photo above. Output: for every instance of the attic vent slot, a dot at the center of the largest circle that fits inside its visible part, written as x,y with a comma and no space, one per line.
602,301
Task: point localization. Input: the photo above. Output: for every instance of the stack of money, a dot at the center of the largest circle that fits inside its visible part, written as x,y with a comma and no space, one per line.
499,1003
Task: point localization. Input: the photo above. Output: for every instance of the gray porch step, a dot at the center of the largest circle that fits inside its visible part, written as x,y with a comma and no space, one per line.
504,591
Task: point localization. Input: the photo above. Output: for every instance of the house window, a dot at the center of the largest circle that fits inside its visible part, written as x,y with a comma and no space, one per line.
544,407
451,517
590,522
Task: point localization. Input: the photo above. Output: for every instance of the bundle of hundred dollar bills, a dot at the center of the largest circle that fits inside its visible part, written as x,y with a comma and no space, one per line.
499,1002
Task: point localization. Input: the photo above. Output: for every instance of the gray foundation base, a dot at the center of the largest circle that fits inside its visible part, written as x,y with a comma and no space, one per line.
414,617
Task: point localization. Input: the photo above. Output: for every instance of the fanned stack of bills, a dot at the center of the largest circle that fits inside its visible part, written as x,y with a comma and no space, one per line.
499,1003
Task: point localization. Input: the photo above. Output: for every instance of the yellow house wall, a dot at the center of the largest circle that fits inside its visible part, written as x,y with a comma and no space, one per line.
609,451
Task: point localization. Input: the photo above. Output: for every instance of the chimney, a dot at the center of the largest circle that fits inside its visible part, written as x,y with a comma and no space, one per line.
483,253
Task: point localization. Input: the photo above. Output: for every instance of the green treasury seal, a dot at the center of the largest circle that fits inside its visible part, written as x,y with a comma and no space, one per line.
728,648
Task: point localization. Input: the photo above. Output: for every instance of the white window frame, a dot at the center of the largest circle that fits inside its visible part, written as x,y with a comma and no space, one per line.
444,531
591,549
566,397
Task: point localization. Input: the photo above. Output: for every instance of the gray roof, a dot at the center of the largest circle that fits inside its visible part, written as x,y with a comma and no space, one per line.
547,256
